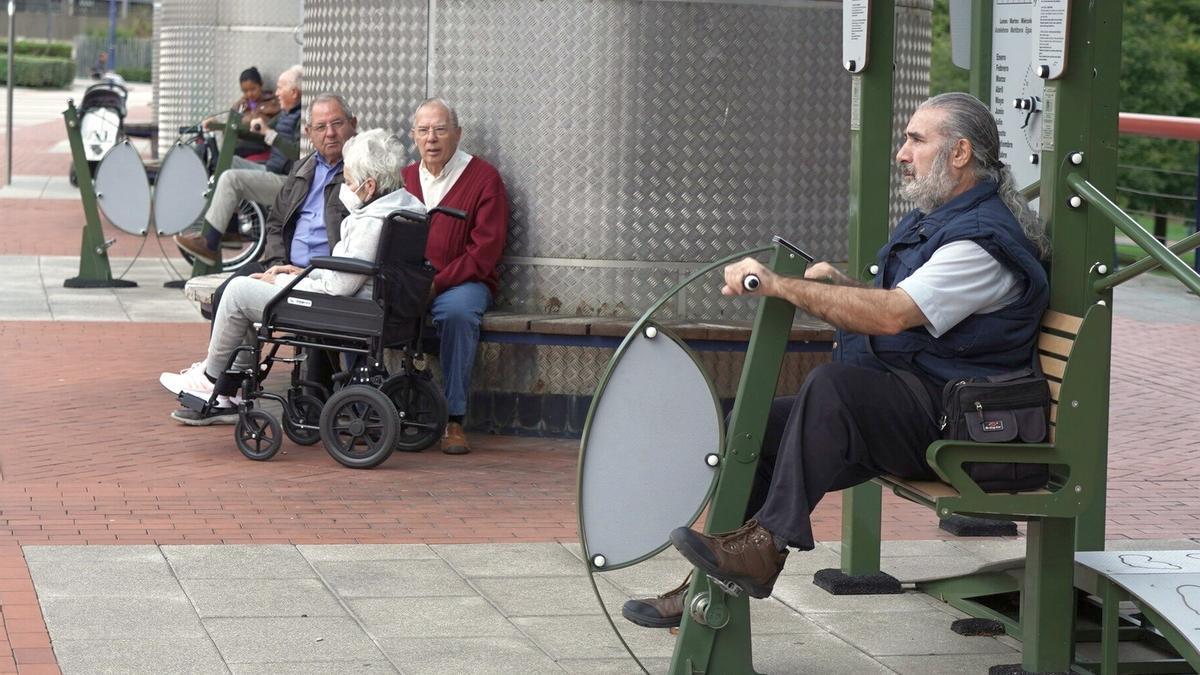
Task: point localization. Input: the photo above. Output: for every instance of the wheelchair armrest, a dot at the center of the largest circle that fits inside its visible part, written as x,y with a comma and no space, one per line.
339,264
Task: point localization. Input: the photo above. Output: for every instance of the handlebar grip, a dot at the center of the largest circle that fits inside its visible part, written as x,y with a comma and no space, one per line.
750,282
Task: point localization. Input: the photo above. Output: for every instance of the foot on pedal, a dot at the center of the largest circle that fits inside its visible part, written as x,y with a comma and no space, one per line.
727,587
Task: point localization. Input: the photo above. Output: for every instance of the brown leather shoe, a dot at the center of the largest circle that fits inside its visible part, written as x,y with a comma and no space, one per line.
454,441
746,557
196,246
665,611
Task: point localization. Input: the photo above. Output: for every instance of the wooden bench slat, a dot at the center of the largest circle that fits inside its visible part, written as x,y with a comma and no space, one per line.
932,489
1054,367
1064,323
506,322
1059,346
1054,389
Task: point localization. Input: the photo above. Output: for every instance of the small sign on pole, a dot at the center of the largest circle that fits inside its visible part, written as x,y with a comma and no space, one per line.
1050,38
856,31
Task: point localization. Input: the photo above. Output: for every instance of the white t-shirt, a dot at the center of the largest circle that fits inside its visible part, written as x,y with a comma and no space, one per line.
434,188
958,280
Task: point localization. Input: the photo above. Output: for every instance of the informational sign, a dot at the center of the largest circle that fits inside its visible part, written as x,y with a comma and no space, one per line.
1017,91
856,31
856,104
1050,38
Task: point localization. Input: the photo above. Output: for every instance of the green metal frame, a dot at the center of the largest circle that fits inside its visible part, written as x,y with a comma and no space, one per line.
94,270
229,140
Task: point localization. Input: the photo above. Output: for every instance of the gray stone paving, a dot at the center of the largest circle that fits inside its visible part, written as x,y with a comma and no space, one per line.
497,608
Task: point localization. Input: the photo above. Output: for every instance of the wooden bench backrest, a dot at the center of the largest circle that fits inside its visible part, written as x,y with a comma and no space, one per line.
1055,339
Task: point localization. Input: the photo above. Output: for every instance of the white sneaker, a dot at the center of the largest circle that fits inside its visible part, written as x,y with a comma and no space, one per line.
191,379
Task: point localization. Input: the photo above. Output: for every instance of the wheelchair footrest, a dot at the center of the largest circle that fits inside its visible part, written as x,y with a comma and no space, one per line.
197,404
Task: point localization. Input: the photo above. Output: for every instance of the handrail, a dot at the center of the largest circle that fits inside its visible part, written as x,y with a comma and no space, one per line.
1159,126
1032,191
1148,263
1171,262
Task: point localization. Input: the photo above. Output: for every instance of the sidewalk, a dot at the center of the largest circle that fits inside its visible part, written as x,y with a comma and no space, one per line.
131,544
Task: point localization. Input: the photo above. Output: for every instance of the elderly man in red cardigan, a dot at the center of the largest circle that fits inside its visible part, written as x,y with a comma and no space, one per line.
464,252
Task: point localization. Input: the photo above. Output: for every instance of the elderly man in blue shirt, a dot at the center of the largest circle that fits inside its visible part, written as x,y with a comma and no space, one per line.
305,220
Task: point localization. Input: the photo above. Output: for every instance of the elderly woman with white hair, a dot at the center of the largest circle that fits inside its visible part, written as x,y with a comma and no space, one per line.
372,188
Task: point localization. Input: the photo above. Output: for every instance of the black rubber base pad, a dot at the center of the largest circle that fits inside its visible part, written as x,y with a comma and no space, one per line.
837,583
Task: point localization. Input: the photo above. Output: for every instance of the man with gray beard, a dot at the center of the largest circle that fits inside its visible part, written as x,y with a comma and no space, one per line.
960,293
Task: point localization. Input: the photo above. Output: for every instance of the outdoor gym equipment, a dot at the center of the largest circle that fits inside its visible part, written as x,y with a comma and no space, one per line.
1064,131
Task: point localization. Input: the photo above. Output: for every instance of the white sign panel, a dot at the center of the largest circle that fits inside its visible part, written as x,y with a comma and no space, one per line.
856,31
1050,39
1016,93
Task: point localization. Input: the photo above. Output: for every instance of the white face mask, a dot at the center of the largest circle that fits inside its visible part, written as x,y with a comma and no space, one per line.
349,199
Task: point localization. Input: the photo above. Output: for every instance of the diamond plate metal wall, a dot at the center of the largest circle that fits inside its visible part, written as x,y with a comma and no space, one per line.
202,45
914,33
373,53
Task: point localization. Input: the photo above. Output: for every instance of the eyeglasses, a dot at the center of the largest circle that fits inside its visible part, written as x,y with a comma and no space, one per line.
436,132
336,125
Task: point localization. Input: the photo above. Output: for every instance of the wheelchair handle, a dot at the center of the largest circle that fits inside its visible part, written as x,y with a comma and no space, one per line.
453,213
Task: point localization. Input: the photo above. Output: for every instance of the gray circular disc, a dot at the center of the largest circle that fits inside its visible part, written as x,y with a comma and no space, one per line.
122,189
642,468
179,190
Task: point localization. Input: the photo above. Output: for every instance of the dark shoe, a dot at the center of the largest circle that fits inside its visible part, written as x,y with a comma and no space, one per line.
746,557
192,418
195,245
454,441
665,611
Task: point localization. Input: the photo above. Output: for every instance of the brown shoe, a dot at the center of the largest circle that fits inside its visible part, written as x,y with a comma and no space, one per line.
195,245
665,611
746,557
454,442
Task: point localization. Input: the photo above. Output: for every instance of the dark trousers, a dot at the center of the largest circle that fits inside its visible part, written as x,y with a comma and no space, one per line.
319,367
847,425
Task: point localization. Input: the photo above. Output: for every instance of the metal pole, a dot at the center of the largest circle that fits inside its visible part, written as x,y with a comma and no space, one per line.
112,35
1196,222
8,136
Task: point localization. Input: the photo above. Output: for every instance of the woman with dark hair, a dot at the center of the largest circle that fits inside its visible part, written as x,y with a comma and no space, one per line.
254,103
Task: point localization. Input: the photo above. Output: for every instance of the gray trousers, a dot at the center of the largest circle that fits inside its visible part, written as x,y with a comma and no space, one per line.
256,185
241,305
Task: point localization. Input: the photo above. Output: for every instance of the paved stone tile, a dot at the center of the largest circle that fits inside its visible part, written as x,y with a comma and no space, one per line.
907,633
806,563
478,656
392,578
591,637
261,598
540,560
547,596
800,594
281,639
363,552
182,656
238,562
955,664
811,653
910,569
625,666
317,668
446,617
93,618
76,555
991,549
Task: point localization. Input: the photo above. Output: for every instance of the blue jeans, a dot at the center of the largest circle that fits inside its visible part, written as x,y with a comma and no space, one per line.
457,312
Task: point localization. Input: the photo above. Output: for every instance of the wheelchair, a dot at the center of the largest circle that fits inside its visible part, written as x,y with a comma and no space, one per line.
371,412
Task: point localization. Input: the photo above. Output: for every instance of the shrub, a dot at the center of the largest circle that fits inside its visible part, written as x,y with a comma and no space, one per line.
40,71
134,74
58,50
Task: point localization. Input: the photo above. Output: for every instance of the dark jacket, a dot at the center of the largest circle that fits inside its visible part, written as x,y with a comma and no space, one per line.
287,128
281,223
981,344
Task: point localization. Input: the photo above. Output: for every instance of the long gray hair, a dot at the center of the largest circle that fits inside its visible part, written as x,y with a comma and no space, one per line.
968,118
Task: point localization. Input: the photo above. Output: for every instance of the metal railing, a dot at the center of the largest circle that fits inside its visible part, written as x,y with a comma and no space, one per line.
130,53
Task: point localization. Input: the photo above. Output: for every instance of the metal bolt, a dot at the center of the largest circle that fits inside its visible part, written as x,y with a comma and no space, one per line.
1043,71
1033,159
651,332
1075,201
599,561
873,269
851,65
711,459
1078,489
1102,269
1074,404
945,512
1077,158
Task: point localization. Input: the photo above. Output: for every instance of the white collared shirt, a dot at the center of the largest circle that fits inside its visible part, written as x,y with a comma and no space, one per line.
434,188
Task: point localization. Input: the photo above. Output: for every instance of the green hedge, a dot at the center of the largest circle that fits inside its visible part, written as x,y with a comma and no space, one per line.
40,71
58,50
134,74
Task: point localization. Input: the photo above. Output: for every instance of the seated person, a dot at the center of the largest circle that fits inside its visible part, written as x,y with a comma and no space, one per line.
249,180
372,189
465,253
254,103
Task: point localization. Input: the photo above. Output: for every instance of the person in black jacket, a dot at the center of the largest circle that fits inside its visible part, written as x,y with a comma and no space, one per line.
247,180
305,219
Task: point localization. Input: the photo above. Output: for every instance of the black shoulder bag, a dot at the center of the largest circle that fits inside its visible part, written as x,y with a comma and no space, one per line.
1007,408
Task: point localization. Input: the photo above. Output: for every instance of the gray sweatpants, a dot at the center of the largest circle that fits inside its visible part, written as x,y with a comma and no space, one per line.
241,305
256,185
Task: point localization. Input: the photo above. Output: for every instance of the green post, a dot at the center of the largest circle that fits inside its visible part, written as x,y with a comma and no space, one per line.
726,650
871,150
980,83
224,161
1048,597
94,270
1080,113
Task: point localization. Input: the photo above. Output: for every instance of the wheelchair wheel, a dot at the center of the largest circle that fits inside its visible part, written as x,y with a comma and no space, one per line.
359,425
250,221
258,435
308,409
422,410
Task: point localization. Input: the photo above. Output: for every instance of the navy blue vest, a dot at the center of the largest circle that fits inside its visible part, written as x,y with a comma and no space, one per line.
981,344
287,125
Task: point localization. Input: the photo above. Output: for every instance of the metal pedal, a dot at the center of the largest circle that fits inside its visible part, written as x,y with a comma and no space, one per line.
727,587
